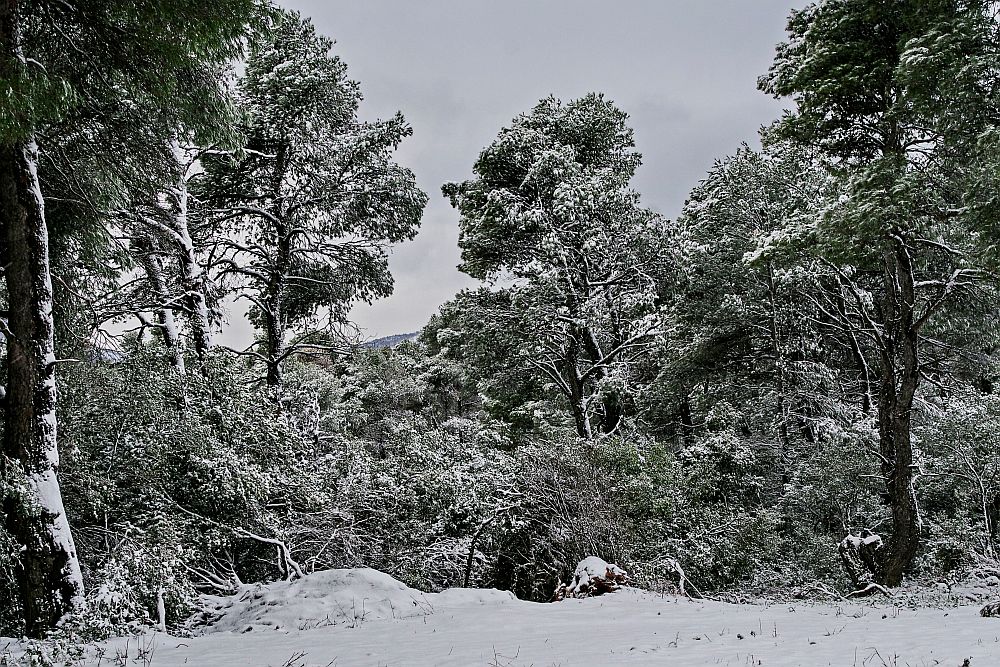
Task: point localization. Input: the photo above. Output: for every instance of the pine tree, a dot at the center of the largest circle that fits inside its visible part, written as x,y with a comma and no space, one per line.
744,314
314,198
896,96
58,61
551,206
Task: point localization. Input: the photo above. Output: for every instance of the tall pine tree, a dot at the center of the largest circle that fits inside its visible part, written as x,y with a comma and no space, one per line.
59,61
896,95
314,198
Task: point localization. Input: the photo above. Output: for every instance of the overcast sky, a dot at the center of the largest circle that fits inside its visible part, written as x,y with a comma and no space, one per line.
459,70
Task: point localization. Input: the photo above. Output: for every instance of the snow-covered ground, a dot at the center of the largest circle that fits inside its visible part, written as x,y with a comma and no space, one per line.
362,617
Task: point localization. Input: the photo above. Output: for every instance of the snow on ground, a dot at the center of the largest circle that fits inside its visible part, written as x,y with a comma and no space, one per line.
330,597
462,628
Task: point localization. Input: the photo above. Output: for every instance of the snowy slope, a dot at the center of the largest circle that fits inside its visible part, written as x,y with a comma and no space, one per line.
463,628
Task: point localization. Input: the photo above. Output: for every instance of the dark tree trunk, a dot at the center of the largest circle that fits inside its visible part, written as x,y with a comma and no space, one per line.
48,572
575,388
275,347
578,402
993,517
193,283
274,320
274,296
612,410
900,377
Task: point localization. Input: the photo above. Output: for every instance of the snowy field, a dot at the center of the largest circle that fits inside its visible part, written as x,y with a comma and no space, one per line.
361,617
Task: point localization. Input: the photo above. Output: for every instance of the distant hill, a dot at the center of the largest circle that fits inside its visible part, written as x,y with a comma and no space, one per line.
391,341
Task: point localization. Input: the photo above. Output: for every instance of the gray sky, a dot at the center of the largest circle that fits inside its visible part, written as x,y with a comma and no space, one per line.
459,70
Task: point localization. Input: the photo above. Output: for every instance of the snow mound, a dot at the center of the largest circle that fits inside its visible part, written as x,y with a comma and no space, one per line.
331,597
468,597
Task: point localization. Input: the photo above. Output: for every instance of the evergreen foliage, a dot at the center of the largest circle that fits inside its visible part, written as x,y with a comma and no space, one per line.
808,351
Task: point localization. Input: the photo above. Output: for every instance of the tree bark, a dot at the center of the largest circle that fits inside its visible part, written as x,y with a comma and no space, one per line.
859,555
578,398
578,405
192,275
48,572
900,377
612,410
275,346
152,264
274,294
274,326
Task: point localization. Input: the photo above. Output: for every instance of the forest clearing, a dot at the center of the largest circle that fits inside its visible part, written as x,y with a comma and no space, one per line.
703,358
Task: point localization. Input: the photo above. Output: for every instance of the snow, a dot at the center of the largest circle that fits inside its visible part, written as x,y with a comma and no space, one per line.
460,628
330,597
864,540
43,490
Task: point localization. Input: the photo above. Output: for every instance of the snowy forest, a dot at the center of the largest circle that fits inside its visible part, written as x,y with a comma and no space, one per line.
787,393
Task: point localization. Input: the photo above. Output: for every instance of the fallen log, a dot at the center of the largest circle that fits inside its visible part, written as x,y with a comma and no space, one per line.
593,576
992,610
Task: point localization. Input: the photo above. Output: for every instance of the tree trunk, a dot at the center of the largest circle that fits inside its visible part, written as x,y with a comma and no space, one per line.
900,377
48,573
274,345
578,406
274,327
612,410
152,264
859,555
192,276
578,399
274,296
